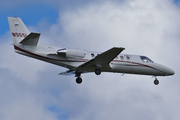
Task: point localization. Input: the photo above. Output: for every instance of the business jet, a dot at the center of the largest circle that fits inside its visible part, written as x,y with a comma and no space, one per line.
80,61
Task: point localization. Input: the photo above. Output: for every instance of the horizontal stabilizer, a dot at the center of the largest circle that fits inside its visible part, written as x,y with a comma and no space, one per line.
31,40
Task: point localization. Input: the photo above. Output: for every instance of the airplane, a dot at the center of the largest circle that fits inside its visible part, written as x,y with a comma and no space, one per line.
79,61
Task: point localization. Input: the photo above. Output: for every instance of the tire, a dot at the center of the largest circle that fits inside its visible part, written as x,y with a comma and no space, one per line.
97,71
78,80
156,82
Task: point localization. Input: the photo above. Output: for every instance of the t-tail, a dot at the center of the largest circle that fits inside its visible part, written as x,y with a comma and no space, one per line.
20,33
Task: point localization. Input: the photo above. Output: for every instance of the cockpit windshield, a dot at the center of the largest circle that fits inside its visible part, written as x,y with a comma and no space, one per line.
146,59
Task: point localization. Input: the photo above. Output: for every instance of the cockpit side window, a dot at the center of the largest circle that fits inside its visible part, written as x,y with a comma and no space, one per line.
146,59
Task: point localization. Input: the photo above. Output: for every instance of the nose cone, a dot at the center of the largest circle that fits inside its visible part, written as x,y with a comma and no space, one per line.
169,71
165,70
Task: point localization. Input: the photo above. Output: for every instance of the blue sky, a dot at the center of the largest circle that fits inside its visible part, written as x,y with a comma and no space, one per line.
32,13
32,89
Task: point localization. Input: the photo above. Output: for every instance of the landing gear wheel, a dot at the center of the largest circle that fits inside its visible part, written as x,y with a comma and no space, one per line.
78,80
97,71
156,82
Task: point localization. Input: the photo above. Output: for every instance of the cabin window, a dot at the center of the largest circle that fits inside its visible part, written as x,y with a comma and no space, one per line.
92,54
121,57
146,59
128,57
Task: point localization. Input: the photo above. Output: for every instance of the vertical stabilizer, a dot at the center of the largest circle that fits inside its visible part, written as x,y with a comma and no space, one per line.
18,30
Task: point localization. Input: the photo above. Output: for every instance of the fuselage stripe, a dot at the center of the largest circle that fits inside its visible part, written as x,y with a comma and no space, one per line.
83,60
22,50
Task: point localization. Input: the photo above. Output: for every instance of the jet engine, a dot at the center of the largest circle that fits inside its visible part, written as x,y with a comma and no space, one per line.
71,53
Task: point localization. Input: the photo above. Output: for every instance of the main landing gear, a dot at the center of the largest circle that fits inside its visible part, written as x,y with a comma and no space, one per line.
79,79
97,71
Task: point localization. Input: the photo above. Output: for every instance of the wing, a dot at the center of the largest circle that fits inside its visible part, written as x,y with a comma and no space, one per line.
102,60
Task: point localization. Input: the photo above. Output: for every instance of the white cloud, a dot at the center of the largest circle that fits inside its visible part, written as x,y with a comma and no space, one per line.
119,25
142,27
26,108
24,68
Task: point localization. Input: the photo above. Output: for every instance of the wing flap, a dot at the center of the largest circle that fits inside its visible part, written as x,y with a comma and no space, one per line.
67,73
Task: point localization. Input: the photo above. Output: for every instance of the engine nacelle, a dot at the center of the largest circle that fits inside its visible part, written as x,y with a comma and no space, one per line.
71,53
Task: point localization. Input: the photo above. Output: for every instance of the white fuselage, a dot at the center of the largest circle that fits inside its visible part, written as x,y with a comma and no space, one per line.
123,63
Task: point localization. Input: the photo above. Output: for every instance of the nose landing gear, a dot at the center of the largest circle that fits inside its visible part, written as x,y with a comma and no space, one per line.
156,81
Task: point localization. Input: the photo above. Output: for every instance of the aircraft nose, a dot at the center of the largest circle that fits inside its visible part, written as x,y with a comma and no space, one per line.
166,70
170,71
